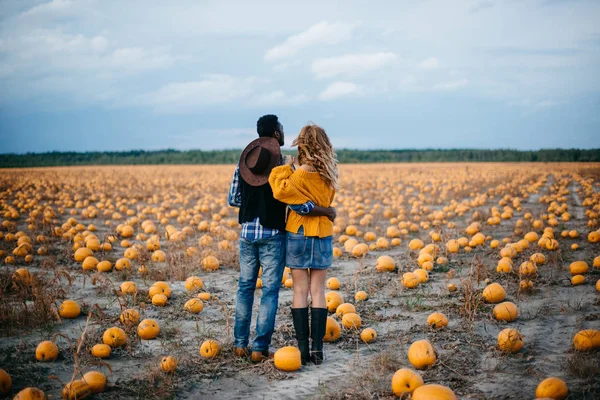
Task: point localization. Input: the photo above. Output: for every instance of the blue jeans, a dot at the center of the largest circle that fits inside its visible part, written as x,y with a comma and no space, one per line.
270,254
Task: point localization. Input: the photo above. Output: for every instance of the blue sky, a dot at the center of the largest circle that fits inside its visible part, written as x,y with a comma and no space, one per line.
115,75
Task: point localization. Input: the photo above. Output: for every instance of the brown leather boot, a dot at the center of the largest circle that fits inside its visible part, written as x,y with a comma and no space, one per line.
240,352
258,356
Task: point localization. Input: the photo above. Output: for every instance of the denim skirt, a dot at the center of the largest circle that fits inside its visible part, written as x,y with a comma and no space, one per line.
308,251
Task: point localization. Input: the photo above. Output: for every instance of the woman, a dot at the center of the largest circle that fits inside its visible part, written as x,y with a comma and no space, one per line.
313,177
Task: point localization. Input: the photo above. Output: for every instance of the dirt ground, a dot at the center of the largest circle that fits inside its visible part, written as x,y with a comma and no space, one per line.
468,359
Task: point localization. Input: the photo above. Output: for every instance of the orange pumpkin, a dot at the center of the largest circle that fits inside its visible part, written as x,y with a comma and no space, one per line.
168,364
148,329
410,280
432,391
368,335
351,321
5,382
193,283
586,340
114,337
194,306
437,320
95,380
210,349
421,354
385,264
287,359
361,296
578,268
130,316
31,393
69,309
46,351
101,350
333,283
494,293
333,300
405,381
552,388
506,311
332,330
510,340
345,308
75,390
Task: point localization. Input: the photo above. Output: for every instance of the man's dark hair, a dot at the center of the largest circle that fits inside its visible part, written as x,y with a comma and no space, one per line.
267,125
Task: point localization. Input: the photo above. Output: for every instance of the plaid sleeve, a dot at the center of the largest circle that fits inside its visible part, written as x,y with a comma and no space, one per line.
235,196
303,209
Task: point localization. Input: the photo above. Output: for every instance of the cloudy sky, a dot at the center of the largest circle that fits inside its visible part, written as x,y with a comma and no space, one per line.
142,74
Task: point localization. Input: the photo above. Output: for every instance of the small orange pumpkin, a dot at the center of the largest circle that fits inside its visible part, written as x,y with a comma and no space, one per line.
210,349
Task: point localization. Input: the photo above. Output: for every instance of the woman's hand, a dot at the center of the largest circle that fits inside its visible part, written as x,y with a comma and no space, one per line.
289,160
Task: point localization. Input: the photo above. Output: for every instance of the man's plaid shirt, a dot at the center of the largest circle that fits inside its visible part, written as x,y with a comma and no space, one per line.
254,230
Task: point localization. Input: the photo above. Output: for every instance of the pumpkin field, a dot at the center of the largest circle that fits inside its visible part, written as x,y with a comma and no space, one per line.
449,281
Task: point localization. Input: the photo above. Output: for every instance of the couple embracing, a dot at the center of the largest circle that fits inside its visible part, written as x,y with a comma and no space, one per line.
286,220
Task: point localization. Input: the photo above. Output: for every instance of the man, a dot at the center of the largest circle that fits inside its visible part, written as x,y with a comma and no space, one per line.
262,239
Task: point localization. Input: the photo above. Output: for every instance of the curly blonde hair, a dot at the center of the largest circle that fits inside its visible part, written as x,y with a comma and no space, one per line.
314,148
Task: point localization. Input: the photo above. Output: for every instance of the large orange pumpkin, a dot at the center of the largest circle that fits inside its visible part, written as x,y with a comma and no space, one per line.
96,381
494,293
405,381
287,359
46,351
332,330
69,309
114,337
5,382
351,321
421,354
510,340
506,311
385,264
578,268
31,393
333,300
75,390
148,329
433,391
552,388
586,340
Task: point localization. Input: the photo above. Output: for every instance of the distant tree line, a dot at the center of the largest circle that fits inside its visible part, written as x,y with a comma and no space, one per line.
138,157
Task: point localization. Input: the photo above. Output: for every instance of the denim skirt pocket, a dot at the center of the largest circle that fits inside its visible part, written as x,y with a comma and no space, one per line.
296,245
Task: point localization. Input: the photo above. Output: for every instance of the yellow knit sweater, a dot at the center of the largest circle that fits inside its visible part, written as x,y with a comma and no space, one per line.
299,187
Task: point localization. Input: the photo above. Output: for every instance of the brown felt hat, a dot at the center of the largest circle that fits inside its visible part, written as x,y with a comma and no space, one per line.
258,159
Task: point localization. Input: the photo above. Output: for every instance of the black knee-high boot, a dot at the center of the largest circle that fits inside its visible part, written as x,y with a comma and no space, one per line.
319,323
300,318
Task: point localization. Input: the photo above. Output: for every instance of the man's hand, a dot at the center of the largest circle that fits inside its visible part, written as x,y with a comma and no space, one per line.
328,212
331,214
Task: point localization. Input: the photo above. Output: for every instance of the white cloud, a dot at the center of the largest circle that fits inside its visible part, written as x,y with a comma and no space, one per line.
277,98
430,63
350,64
321,33
451,85
339,89
188,96
536,104
58,8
